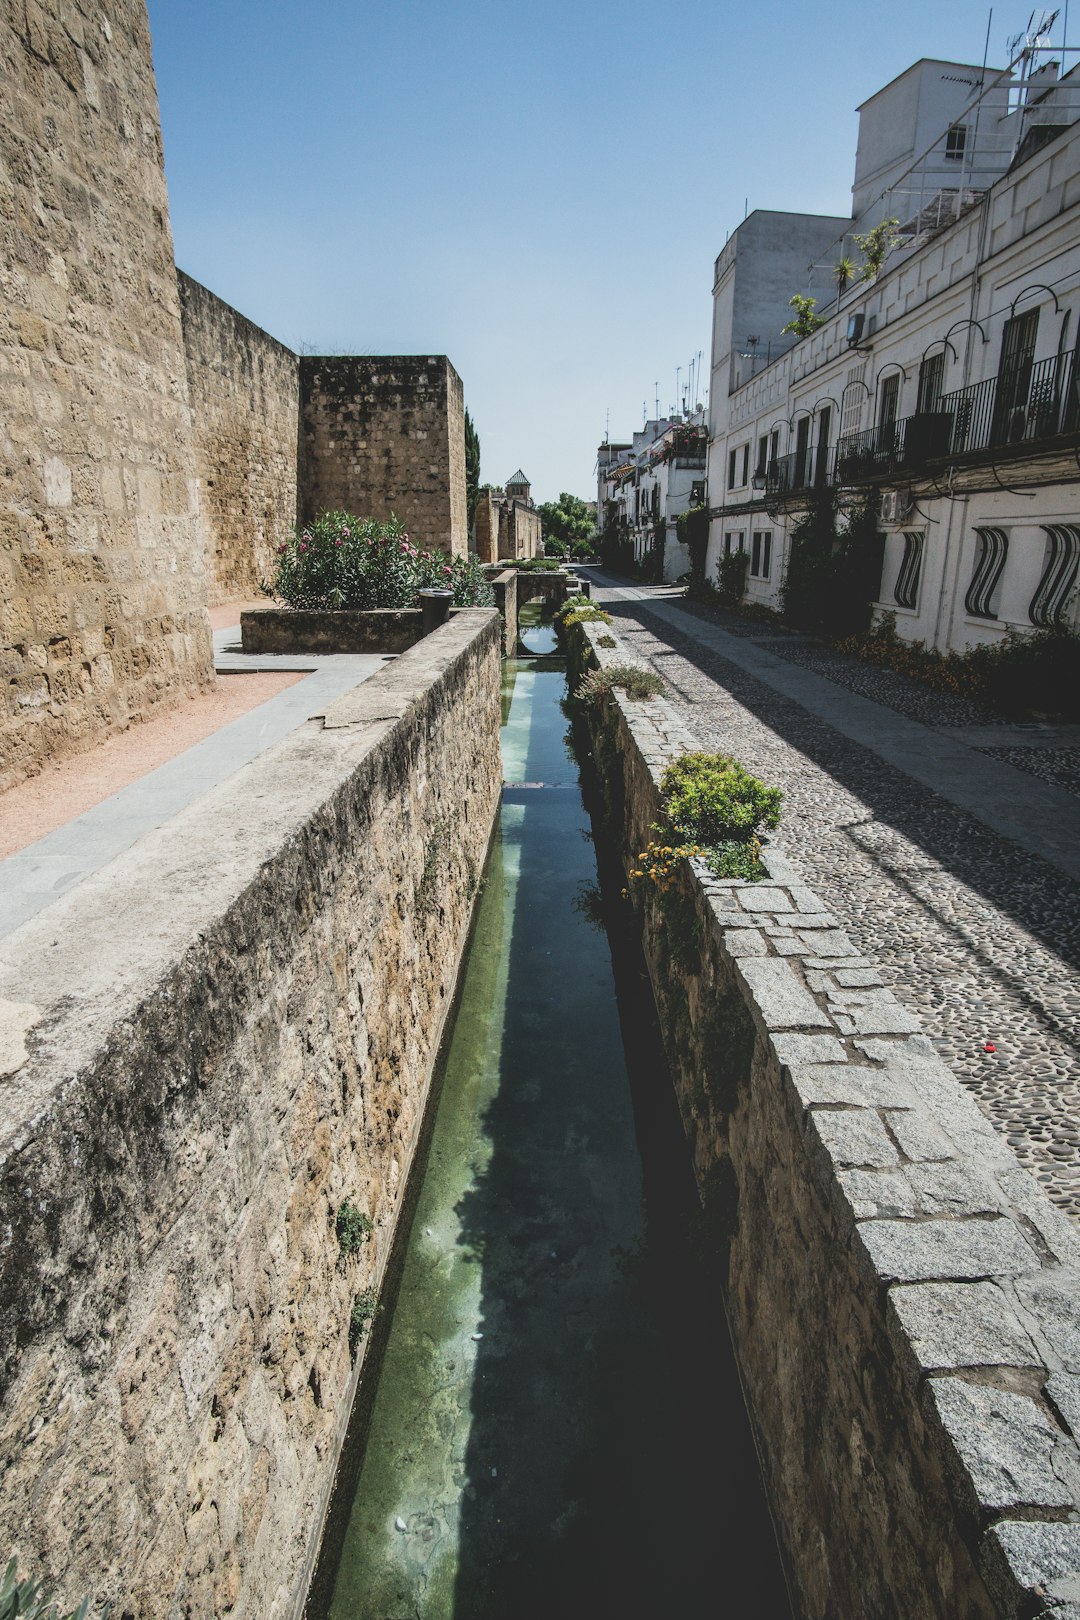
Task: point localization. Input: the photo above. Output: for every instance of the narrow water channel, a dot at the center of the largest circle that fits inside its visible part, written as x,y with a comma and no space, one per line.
557,1428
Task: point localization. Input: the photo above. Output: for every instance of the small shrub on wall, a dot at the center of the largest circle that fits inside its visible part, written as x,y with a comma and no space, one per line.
341,561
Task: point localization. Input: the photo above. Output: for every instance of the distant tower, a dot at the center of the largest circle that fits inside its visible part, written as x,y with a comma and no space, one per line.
518,487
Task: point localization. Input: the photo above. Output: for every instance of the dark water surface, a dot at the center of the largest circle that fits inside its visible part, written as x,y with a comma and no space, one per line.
557,1422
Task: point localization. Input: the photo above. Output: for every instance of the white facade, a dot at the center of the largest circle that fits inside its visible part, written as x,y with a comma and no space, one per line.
953,400
646,486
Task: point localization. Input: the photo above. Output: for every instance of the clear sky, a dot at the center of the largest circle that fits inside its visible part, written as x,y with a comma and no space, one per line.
537,191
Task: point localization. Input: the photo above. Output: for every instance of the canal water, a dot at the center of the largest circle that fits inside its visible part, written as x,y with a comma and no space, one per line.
556,1428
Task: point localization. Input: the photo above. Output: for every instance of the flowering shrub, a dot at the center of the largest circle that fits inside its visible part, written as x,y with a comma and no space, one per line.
339,561
659,863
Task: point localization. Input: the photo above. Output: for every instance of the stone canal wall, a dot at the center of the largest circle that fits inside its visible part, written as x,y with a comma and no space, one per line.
102,584
229,1034
902,1295
244,389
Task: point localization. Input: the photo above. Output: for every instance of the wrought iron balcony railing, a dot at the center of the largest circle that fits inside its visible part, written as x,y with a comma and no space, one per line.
1031,403
800,470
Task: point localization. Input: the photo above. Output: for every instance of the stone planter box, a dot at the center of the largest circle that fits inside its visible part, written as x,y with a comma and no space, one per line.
312,630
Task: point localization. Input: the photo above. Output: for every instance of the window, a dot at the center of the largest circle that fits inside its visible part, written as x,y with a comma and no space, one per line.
991,551
854,394
761,554
774,446
956,142
931,375
731,469
733,541
889,407
906,589
762,456
745,463
738,466
1014,376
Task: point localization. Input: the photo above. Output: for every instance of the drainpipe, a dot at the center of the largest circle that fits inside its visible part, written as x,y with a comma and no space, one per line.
949,594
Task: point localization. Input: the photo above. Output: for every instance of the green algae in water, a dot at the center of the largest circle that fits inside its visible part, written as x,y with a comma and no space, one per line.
531,1451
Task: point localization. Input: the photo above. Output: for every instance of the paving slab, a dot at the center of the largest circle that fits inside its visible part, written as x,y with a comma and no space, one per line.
954,875
34,877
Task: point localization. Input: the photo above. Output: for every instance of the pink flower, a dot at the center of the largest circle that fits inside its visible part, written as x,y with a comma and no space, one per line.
404,536
449,572
346,532
302,546
339,542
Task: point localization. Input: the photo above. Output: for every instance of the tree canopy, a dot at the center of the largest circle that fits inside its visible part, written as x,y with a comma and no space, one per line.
568,519
472,468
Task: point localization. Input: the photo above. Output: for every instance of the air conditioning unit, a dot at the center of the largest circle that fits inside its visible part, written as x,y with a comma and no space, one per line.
896,504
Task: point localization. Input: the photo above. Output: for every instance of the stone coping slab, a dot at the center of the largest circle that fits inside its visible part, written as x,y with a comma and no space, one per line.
979,1271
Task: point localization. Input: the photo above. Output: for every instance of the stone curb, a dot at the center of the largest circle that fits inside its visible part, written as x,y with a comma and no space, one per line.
979,1271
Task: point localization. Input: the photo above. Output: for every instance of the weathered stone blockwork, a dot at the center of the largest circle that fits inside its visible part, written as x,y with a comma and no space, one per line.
102,586
505,529
244,390
902,1295
206,1085
382,436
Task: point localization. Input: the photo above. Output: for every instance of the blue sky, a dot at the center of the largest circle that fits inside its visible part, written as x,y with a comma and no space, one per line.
537,191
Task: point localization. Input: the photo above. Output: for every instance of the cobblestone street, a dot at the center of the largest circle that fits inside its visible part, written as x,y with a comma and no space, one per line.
977,932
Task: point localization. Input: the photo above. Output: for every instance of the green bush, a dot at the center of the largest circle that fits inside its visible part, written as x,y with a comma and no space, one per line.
25,1600
833,574
353,1228
1020,674
363,1309
554,547
731,576
635,680
340,561
710,799
582,551
692,528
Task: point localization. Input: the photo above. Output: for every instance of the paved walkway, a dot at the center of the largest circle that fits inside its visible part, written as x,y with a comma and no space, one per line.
36,876
958,870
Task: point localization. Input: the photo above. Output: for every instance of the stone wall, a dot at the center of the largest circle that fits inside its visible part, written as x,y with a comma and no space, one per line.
519,534
385,435
504,529
244,393
486,526
205,1086
102,584
902,1296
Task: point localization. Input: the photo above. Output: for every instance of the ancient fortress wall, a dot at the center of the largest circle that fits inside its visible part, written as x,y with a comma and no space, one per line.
245,392
505,529
102,583
385,435
901,1293
204,1089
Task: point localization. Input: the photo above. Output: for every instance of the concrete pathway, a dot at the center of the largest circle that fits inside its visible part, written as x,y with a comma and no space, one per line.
34,877
958,871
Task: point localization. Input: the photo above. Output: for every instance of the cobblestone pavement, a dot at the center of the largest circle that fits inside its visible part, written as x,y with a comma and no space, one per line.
975,935
1059,765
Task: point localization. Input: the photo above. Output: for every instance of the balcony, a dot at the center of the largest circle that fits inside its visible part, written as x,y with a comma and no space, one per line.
1026,406
794,473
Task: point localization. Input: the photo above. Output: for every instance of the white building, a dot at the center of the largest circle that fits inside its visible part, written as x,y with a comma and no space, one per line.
645,486
946,386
